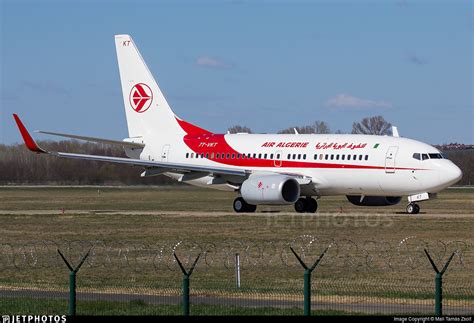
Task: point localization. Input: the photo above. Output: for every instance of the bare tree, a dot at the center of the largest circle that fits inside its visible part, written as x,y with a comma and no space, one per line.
317,127
239,128
376,125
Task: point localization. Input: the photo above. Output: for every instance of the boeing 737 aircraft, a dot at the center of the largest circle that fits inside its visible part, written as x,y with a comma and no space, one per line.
264,168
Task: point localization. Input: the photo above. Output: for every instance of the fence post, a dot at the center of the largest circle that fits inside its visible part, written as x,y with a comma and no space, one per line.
237,270
307,280
439,283
72,281
186,275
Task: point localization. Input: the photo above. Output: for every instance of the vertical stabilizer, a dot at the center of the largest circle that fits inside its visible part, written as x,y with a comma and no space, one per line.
146,108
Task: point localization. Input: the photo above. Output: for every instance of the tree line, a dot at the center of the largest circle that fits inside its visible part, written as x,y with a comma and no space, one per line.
20,166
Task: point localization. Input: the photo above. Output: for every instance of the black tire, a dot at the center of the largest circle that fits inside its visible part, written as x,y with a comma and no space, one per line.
251,208
311,205
240,206
300,205
413,208
417,209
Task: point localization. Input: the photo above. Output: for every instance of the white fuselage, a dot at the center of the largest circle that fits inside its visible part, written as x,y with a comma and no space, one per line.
337,164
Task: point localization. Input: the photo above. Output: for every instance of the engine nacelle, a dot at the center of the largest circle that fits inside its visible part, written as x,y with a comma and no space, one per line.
374,200
270,189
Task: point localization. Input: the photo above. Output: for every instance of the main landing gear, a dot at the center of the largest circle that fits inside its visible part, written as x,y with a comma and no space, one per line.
413,208
306,205
240,206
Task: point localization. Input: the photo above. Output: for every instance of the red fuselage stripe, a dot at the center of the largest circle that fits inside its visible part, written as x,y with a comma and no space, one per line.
209,145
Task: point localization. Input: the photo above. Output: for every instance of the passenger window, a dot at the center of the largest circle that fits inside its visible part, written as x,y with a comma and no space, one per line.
304,156
254,155
289,156
332,157
343,156
278,156
212,155
192,155
337,157
294,156
315,156
218,155
326,157
299,156
360,157
233,156
187,155
271,156
249,155
202,155
424,156
228,156
265,156
207,155
259,156
238,156
321,156
366,157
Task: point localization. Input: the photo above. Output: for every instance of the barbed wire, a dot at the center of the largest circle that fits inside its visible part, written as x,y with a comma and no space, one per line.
406,254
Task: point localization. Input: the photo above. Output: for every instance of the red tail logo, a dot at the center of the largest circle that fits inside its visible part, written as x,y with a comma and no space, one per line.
141,97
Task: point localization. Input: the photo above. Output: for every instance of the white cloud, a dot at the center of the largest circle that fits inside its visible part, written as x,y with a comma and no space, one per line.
208,61
349,101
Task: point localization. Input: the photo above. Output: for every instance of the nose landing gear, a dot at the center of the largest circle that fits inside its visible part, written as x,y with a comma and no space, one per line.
413,208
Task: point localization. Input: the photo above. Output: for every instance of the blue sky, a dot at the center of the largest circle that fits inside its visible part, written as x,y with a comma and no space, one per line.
264,64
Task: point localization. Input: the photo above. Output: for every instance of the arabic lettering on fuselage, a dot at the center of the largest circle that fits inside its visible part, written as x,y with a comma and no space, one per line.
335,145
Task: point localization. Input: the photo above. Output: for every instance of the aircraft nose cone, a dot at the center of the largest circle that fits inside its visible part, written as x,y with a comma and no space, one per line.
451,174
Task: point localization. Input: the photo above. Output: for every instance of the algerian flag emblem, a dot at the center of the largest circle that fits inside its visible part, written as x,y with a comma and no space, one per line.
376,146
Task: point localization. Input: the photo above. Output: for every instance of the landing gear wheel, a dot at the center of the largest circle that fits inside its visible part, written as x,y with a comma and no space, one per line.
311,205
240,206
413,208
300,205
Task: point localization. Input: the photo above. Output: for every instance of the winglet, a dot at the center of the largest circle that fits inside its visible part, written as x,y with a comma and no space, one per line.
29,141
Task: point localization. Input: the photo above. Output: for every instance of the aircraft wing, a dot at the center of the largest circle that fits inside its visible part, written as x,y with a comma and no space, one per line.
94,139
33,146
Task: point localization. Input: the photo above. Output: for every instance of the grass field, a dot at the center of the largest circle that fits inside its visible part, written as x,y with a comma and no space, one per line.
127,219
151,214
20,306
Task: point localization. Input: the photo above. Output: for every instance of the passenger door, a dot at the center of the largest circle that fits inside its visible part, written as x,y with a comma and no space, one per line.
390,158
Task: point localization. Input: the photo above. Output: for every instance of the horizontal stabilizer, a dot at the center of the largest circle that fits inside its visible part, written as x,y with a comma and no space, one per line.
94,139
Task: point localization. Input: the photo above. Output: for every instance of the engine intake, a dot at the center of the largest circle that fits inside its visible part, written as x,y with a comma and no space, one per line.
374,200
270,189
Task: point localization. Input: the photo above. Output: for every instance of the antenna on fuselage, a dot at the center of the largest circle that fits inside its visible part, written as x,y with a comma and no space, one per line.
395,132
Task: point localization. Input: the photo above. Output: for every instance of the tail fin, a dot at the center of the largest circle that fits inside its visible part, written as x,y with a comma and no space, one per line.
146,108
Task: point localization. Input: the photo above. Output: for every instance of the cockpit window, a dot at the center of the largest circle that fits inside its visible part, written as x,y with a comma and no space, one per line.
416,156
436,156
424,156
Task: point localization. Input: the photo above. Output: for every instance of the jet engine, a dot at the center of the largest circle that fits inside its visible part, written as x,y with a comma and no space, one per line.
374,200
270,189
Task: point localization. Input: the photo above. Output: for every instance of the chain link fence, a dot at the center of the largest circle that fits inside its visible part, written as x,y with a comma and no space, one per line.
130,277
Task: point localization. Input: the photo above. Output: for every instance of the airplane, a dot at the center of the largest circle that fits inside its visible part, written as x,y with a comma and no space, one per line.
263,169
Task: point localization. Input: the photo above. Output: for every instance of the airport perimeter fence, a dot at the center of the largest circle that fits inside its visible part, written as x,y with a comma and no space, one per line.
238,277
